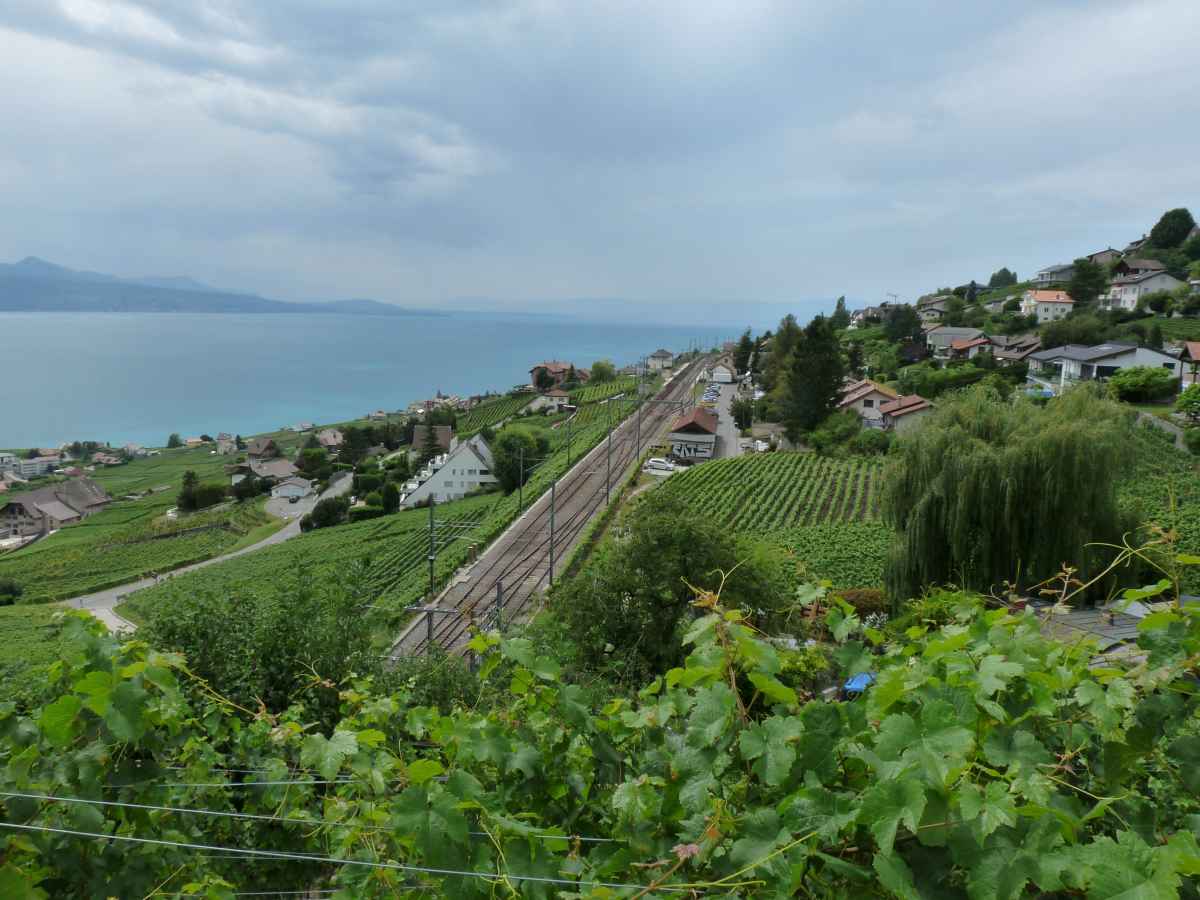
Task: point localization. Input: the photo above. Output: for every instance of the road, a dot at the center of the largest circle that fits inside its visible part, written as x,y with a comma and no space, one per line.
519,560
101,604
729,441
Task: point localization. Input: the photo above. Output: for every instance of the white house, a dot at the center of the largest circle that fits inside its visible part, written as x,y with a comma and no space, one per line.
660,359
1126,291
865,398
8,462
292,487
39,465
723,372
555,400
1046,305
467,468
694,435
1057,367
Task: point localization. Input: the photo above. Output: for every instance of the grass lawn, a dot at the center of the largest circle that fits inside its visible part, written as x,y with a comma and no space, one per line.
1161,410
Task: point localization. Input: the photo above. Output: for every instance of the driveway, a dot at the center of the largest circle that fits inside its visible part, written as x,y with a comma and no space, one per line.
101,603
729,441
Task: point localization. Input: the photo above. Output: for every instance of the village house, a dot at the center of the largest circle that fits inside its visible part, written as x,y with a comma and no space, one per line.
263,448
558,372
8,462
554,400
270,470
1126,291
37,466
1060,366
226,445
135,451
865,398
905,413
660,359
933,311
694,435
192,442
106,459
1015,348
1135,246
48,508
330,438
1047,306
969,349
466,469
443,439
1054,274
1104,257
294,487
940,340
1190,364
1135,266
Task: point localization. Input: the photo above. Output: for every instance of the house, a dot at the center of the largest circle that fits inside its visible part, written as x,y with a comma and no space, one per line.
969,348
443,438
38,465
271,470
865,397
660,359
1010,349
192,442
1054,274
1047,306
263,448
1135,266
1127,291
43,510
554,400
940,339
106,459
466,469
1059,366
871,314
1190,364
330,438
558,371
8,462
226,446
933,311
305,426
1105,257
1135,246
135,451
904,413
292,487
378,416
694,435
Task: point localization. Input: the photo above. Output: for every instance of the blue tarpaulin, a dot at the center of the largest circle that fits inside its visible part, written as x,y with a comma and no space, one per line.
859,683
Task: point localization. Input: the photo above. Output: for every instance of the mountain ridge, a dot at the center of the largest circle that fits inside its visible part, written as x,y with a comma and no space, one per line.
38,285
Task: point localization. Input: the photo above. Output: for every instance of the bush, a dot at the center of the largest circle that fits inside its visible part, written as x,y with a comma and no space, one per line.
866,600
1191,439
1188,402
834,432
10,591
364,484
870,441
330,511
1142,384
362,513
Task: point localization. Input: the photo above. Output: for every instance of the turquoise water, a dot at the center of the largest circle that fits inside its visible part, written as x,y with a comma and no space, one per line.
122,377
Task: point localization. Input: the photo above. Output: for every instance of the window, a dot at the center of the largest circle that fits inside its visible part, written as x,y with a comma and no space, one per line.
868,404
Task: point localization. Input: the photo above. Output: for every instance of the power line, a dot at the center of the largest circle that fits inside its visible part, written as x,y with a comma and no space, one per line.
330,860
259,817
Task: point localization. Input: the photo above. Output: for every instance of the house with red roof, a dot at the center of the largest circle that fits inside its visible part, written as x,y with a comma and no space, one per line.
865,398
905,413
1046,305
694,435
1190,359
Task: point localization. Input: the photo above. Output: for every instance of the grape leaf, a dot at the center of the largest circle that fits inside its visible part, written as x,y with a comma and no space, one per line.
57,720
895,875
888,804
327,754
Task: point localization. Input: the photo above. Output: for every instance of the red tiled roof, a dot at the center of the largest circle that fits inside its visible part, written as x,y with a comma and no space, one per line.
967,345
1191,350
860,389
1050,297
902,406
698,418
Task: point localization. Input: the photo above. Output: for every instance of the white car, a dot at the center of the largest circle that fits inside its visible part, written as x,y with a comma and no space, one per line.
659,464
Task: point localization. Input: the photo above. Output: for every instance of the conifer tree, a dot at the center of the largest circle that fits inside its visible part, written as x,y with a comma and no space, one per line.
814,378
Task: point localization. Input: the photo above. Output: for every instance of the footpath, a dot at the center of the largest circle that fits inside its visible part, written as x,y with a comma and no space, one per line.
102,604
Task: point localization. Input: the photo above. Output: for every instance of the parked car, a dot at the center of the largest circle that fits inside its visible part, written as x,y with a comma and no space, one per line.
659,464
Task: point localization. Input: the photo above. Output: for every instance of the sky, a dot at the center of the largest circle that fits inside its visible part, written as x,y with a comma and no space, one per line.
721,161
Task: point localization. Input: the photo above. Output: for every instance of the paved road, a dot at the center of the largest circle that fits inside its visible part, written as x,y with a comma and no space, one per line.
101,603
519,560
729,441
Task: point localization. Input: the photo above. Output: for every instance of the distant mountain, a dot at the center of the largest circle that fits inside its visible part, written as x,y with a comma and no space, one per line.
35,285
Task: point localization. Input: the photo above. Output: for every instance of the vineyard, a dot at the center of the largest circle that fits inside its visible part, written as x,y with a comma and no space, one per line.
592,392
164,470
127,542
489,414
30,640
821,510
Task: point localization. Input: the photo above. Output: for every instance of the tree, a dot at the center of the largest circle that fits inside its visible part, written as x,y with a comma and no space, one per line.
786,336
954,311
625,611
814,380
840,318
1158,301
312,460
1075,329
1191,247
1002,278
902,324
603,371
972,291
987,491
1155,338
743,413
1088,282
10,591
390,498
1172,229
1142,384
514,448
1188,402
745,349
328,512
174,441
248,488
543,380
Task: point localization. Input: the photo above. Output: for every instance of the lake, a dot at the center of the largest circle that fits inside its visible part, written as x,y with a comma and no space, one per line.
122,377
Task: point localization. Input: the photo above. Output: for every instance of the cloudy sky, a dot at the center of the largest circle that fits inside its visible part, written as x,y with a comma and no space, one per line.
741,155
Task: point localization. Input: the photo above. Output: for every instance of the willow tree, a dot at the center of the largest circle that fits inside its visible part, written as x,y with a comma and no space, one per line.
989,491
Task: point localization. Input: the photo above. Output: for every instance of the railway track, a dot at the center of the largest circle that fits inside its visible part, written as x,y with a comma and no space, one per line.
518,562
